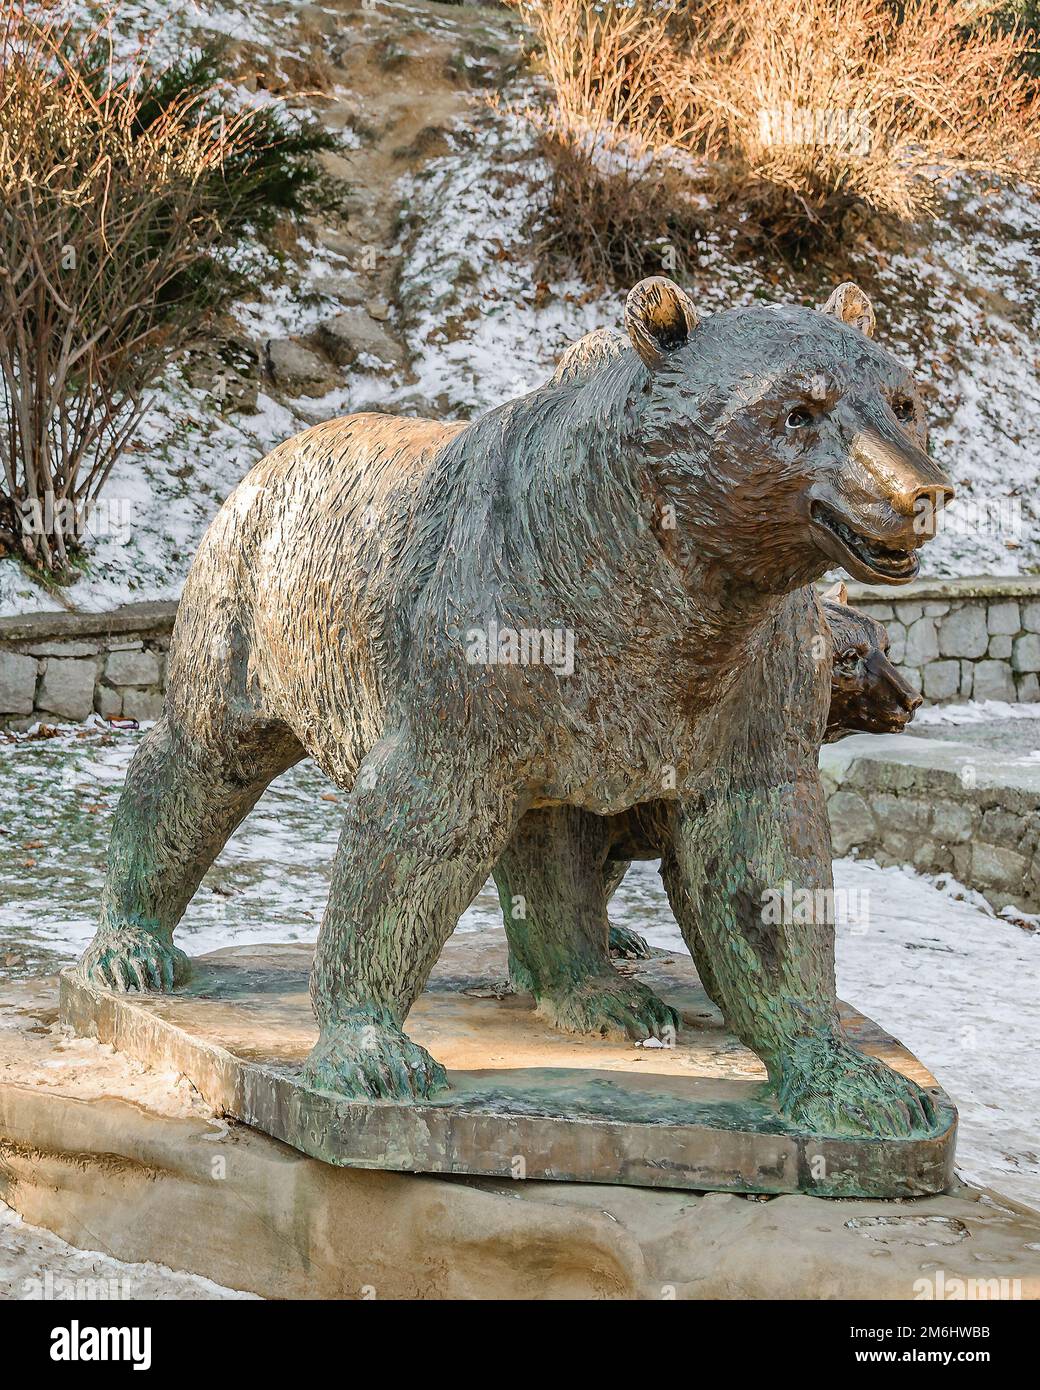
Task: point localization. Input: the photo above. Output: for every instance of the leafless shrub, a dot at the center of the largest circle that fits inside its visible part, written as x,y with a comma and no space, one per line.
109,203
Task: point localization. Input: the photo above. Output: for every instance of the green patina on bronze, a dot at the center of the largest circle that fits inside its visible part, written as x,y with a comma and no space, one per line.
663,507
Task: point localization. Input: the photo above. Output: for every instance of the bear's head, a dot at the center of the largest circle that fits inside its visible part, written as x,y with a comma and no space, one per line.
780,441
867,692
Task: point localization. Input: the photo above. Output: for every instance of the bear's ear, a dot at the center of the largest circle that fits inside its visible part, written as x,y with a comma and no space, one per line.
659,317
851,305
837,593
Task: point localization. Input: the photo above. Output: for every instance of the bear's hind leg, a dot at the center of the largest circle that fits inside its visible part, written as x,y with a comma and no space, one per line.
181,802
415,849
625,944
686,917
552,886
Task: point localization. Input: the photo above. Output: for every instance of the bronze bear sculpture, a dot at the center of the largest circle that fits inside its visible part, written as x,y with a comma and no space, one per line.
591,598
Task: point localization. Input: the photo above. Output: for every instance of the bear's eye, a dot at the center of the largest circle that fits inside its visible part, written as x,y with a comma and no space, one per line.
798,419
903,409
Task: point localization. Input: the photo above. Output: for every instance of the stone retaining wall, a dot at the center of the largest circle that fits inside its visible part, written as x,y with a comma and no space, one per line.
943,807
56,667
962,639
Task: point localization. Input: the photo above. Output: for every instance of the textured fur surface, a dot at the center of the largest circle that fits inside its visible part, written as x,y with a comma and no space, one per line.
868,695
589,599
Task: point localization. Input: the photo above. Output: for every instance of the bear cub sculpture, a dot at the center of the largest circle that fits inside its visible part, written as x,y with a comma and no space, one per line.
868,694
663,510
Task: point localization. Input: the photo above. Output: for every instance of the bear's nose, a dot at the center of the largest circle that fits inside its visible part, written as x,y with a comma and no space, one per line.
923,501
913,482
881,669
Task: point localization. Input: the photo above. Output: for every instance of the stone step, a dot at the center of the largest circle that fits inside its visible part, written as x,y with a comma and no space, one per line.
942,805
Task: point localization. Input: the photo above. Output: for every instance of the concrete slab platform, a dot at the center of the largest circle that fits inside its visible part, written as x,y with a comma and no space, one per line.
943,758
525,1101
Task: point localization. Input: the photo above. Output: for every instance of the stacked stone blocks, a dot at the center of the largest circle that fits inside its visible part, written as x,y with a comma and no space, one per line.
60,668
957,640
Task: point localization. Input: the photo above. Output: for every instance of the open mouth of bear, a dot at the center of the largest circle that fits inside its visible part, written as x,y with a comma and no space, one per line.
872,555
888,720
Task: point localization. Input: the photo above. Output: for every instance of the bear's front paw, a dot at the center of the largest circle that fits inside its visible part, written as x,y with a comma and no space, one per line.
128,959
832,1089
371,1061
628,945
611,1006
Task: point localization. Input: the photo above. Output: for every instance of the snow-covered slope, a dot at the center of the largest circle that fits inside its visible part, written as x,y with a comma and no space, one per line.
958,299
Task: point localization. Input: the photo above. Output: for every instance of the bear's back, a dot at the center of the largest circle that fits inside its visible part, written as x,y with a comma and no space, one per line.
301,553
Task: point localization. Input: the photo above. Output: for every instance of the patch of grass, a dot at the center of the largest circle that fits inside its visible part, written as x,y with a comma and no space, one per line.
794,118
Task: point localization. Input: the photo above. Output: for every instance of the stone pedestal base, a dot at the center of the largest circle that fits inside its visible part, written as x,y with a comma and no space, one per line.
117,1158
525,1101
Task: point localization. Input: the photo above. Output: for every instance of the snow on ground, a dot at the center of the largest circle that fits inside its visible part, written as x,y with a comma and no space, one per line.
958,987
951,980
467,286
977,712
37,1265
160,29
977,283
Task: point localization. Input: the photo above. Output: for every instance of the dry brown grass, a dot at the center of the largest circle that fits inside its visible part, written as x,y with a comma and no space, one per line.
887,106
614,206
796,111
